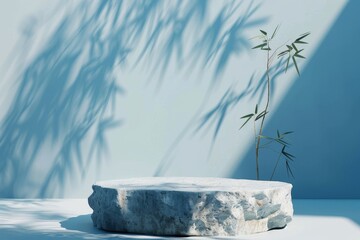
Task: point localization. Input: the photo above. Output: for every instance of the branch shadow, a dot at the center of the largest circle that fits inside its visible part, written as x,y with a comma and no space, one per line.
65,98
218,44
58,103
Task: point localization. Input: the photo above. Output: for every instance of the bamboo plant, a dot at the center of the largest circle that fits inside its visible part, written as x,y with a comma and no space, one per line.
292,52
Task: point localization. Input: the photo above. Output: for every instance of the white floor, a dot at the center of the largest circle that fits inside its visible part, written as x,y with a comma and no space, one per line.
70,219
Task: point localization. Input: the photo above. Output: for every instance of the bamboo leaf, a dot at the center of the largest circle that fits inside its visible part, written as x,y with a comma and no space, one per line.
283,53
262,114
294,47
289,47
286,154
302,36
282,142
296,66
245,123
288,169
247,116
260,46
278,133
273,35
299,56
286,133
268,49
289,156
256,109
263,32
283,149
300,42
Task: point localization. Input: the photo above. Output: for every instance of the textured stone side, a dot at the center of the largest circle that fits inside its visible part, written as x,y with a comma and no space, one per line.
192,212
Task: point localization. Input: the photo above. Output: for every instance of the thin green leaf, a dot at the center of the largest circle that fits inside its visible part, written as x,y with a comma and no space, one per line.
263,32
288,169
302,36
289,47
260,46
278,133
262,114
245,123
300,42
293,45
286,154
299,51
283,53
286,133
256,109
299,56
247,116
283,149
289,156
296,66
273,35
268,49
282,142
277,162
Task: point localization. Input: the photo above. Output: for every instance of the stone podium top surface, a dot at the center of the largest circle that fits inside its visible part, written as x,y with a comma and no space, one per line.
191,184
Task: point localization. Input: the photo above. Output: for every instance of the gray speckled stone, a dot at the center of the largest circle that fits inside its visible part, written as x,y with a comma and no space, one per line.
191,206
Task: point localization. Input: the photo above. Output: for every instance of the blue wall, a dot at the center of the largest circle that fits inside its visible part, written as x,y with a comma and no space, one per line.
95,90
322,108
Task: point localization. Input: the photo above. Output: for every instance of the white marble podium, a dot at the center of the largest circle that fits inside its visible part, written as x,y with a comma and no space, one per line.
191,206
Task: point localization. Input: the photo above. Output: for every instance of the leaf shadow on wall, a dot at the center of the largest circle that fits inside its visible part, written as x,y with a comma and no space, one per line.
321,107
66,95
212,120
218,44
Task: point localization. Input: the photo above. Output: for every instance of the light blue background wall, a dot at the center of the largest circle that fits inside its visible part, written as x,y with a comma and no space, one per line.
322,107
94,90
